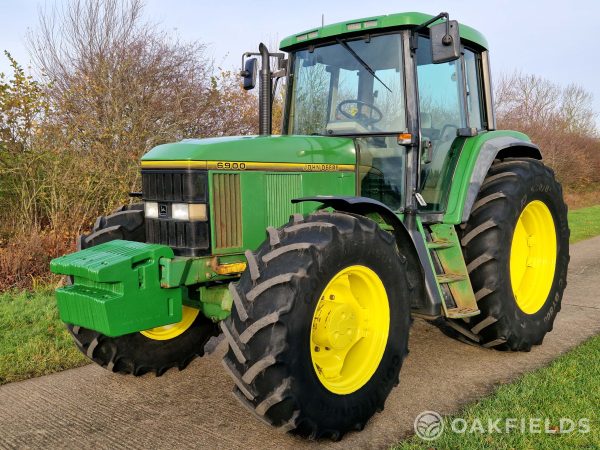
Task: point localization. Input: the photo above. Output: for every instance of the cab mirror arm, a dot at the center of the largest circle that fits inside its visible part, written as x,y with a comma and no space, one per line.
414,44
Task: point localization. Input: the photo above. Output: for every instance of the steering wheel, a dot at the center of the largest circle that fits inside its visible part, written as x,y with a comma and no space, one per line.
366,119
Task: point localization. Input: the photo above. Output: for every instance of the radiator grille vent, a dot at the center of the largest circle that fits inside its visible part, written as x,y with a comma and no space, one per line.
280,189
227,210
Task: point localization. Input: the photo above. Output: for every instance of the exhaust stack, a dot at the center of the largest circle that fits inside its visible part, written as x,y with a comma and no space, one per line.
265,93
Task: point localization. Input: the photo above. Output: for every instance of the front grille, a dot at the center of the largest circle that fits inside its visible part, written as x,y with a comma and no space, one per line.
183,186
176,186
227,204
185,238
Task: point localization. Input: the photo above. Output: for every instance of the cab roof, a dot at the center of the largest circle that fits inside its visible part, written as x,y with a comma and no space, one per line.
367,24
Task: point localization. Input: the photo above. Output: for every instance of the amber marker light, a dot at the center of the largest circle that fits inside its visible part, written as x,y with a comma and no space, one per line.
404,138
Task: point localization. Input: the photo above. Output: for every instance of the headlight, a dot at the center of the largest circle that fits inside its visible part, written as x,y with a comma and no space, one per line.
152,210
191,212
179,211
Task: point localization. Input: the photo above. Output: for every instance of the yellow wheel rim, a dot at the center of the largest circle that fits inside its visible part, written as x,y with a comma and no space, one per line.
533,257
175,329
350,329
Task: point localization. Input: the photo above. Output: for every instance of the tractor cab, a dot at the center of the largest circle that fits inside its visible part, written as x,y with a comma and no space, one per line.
389,89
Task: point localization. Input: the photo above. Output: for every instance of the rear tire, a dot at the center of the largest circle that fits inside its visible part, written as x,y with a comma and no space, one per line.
506,322
136,353
270,331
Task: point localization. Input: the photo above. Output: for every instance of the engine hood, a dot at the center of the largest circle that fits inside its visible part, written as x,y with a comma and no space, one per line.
274,149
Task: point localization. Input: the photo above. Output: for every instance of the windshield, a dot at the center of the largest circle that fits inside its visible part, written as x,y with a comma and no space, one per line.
350,87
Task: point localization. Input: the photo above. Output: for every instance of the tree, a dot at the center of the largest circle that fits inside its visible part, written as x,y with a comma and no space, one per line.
118,86
233,110
22,105
559,119
577,110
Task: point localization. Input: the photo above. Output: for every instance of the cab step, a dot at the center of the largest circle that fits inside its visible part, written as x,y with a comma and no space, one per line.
439,244
452,276
459,313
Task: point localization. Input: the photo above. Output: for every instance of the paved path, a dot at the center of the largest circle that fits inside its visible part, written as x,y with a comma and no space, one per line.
92,408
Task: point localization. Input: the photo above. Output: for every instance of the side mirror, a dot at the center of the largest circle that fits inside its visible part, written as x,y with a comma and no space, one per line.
249,74
445,42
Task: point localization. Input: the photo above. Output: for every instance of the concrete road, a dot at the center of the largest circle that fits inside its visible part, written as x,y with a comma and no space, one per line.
92,408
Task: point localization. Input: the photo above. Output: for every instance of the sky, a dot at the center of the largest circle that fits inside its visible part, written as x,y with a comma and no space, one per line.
553,39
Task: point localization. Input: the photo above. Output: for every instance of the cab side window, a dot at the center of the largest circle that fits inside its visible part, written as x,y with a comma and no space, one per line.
474,89
440,94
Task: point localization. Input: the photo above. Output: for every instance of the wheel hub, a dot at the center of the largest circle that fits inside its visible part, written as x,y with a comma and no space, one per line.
533,257
349,331
337,325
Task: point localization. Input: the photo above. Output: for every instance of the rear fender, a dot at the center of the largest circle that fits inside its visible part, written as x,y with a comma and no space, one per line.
500,147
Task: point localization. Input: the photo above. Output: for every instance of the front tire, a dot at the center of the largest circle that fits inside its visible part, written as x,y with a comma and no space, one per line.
312,287
516,246
155,350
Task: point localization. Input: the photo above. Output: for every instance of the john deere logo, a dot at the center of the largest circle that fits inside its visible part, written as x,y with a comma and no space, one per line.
162,210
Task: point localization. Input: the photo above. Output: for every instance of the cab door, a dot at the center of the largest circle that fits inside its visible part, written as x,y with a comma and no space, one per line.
449,105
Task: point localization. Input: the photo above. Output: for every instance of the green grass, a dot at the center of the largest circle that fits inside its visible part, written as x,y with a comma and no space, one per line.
584,223
33,341
568,388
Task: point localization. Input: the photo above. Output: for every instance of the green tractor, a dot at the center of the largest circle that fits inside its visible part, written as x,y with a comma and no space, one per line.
389,195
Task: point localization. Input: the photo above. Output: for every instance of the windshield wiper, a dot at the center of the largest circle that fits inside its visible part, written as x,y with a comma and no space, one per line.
361,61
